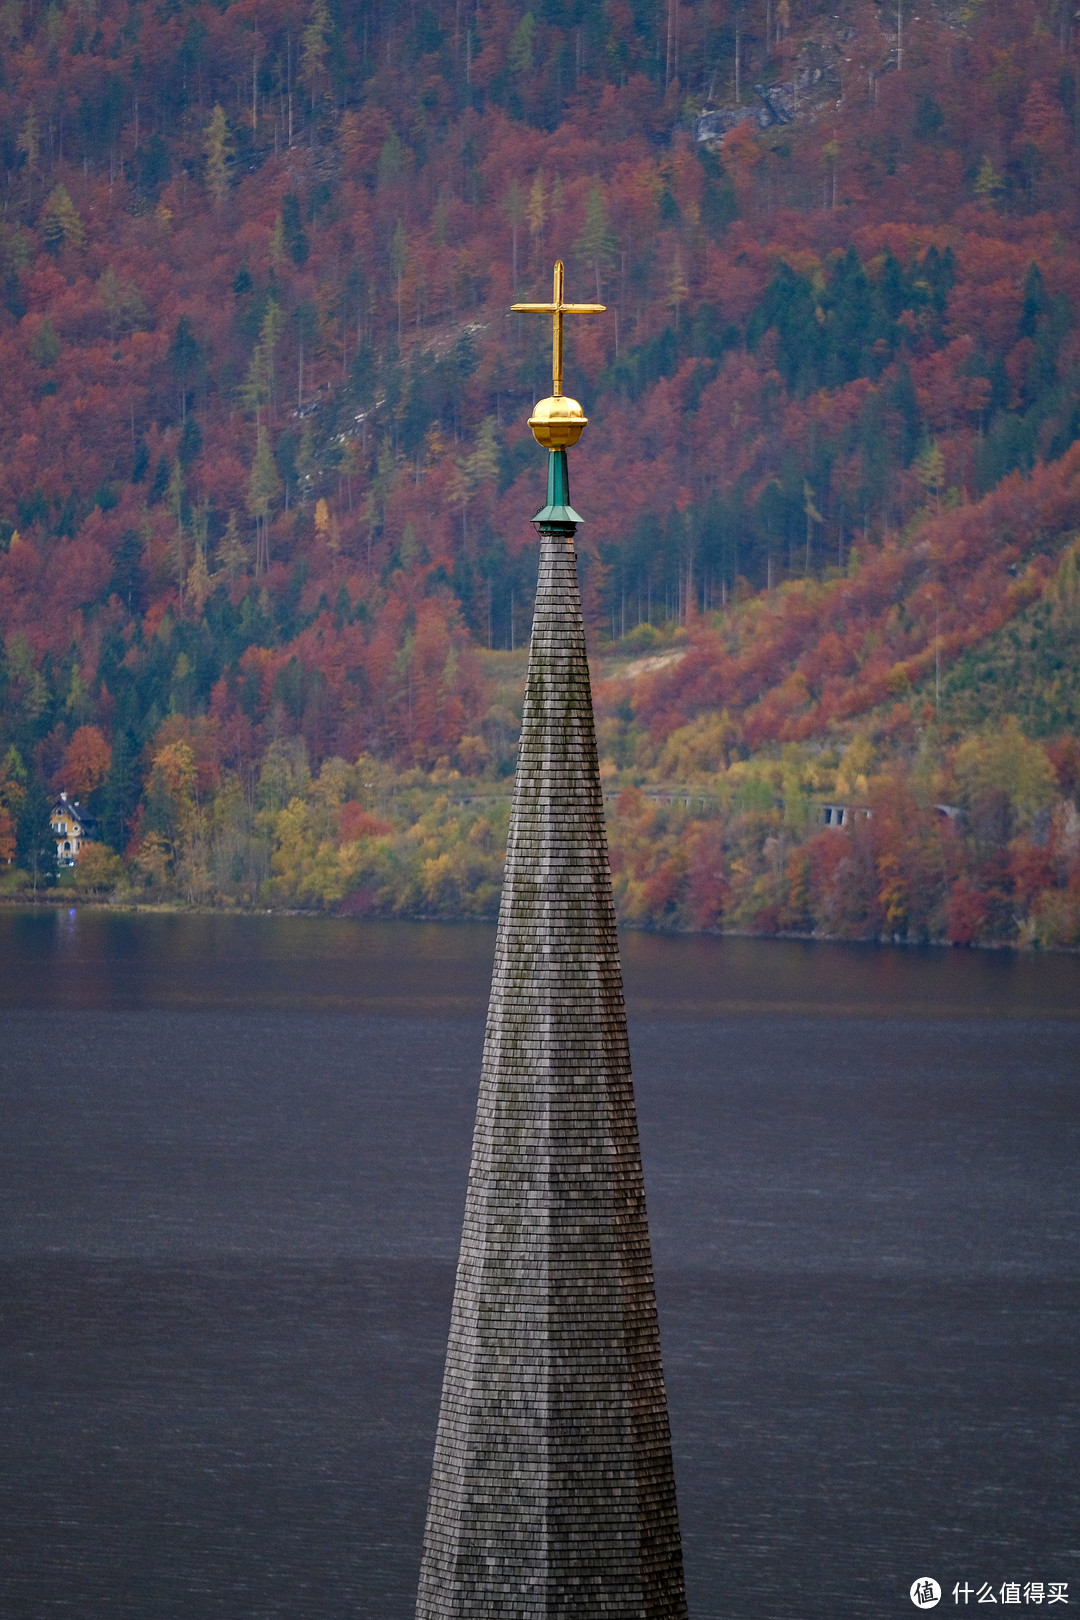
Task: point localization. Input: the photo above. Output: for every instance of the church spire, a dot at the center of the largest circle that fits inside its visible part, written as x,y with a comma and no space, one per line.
552,1491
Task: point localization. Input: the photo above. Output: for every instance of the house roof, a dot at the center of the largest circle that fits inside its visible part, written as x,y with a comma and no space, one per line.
63,806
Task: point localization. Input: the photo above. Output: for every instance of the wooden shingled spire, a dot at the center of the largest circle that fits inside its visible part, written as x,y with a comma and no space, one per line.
552,1491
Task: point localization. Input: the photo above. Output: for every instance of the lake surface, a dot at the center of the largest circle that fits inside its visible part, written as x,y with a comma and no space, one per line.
233,1154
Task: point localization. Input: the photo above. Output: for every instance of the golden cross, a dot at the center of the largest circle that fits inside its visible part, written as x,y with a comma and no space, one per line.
557,309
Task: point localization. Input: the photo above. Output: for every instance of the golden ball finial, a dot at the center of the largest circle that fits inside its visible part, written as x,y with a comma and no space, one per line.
558,422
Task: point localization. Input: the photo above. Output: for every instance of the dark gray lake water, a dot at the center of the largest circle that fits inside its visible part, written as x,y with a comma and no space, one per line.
232,1170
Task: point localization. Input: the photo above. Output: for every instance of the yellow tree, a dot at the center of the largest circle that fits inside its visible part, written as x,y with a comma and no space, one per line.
314,48
399,255
932,471
1003,759
520,58
1064,592
199,578
97,869
122,303
678,288
988,183
174,821
328,531
170,802
60,222
263,490
232,550
12,793
218,148
812,516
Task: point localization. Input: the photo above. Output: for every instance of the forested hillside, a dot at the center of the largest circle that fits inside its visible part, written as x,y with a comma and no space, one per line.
265,476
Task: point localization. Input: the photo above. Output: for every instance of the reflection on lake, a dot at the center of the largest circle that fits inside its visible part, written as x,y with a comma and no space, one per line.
232,1165
104,959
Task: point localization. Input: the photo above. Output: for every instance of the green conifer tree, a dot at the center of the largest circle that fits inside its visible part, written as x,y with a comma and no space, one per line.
44,346
263,490
123,789
35,842
596,244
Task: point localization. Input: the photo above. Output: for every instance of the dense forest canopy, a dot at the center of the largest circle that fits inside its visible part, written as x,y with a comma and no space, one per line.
265,474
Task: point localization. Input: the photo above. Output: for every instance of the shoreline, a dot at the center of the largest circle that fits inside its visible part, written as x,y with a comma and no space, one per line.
57,902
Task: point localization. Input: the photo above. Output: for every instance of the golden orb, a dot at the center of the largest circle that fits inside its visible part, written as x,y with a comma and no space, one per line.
558,422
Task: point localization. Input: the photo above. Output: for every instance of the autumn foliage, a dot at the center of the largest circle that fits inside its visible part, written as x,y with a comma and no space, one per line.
265,478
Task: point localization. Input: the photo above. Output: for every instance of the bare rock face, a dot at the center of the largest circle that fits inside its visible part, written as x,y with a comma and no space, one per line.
815,84
552,1490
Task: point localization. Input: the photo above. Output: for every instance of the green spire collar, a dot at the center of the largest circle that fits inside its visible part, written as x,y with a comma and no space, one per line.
558,508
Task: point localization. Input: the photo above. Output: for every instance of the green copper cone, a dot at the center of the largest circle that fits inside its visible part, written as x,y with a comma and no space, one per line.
558,508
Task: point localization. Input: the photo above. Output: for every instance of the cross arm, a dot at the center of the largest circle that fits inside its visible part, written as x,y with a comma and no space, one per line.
557,309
